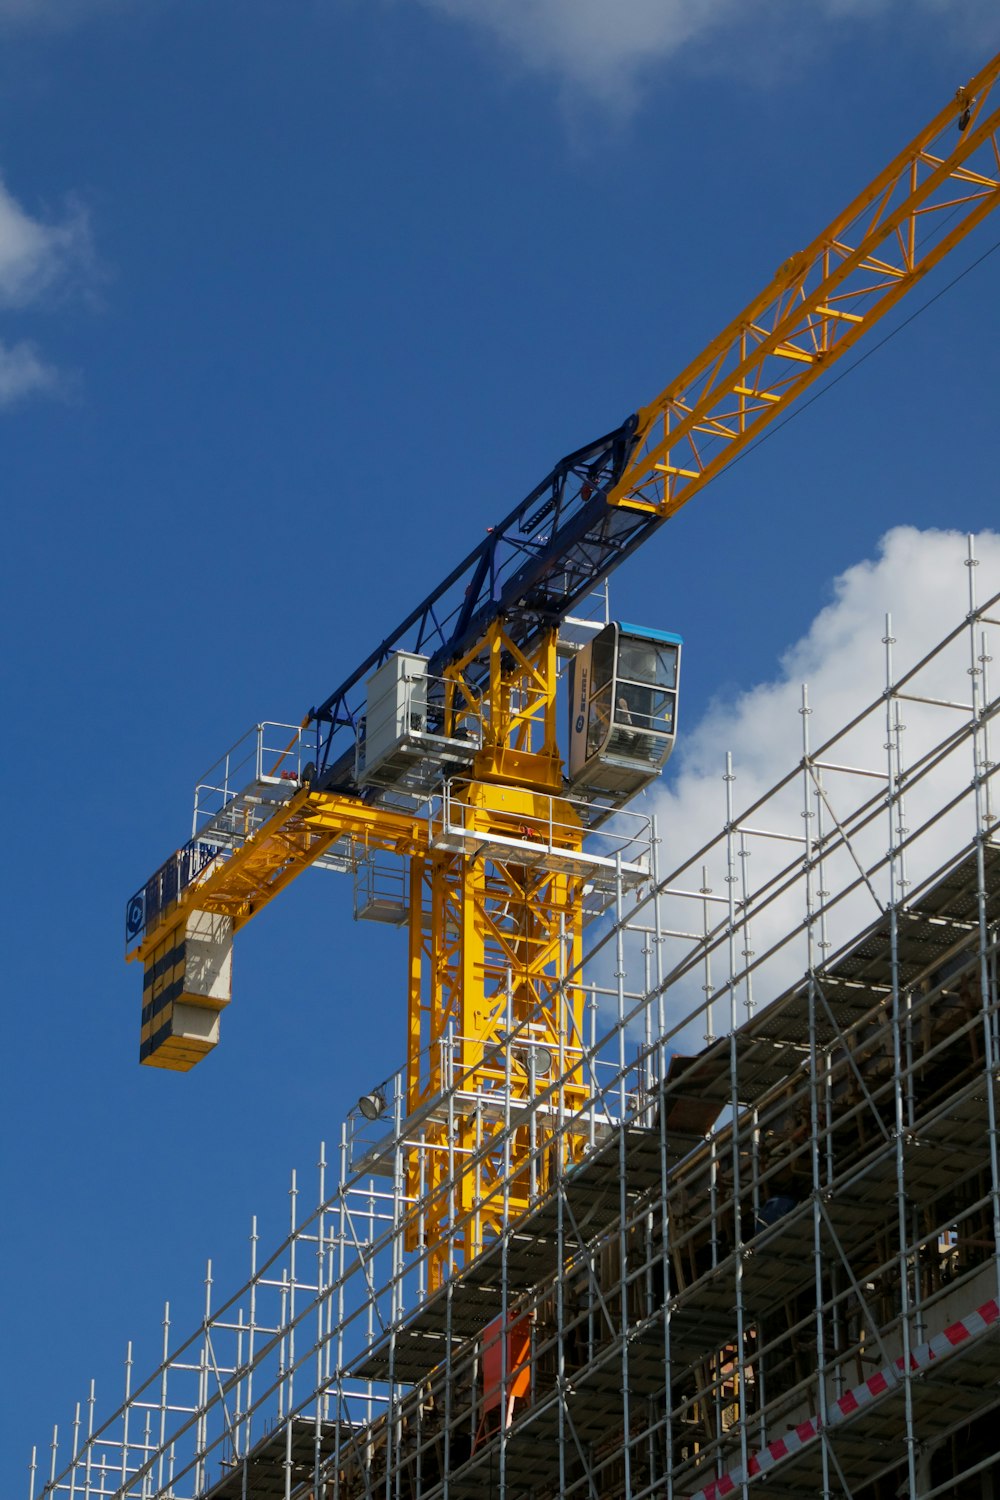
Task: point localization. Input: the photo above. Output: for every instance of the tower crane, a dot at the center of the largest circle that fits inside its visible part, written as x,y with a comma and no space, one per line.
442,747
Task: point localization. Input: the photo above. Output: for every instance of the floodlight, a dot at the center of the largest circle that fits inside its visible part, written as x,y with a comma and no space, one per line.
535,1058
372,1105
543,1060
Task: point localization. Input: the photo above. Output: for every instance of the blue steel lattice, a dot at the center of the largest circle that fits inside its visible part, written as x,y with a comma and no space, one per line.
558,544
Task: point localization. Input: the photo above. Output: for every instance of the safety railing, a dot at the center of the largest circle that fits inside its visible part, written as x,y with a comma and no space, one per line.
382,889
268,755
541,829
232,800
433,728
166,884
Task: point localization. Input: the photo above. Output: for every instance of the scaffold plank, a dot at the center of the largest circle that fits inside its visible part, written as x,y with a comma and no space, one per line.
773,1043
288,1454
592,1190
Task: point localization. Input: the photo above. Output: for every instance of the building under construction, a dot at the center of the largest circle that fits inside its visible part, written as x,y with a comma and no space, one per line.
761,1243
689,1183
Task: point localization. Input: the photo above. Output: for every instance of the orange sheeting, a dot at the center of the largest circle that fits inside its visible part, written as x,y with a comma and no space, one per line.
516,1361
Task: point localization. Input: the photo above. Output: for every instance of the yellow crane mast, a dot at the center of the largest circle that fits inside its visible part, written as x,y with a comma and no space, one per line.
442,748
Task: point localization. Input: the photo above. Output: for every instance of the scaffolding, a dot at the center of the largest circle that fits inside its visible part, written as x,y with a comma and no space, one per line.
764,1250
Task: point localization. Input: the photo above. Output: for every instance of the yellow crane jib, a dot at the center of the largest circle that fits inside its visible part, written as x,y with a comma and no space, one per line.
820,303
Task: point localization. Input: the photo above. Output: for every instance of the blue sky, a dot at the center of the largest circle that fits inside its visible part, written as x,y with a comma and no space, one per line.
295,300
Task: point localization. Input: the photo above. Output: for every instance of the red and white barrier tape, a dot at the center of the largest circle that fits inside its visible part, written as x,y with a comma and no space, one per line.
846,1406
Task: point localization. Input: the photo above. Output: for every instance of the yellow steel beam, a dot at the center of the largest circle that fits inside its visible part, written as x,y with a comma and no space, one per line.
288,843
493,943
820,302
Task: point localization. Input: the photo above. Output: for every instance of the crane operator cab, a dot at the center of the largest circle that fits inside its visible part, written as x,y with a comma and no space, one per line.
623,711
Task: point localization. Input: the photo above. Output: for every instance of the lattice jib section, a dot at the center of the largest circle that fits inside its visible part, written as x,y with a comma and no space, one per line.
820,303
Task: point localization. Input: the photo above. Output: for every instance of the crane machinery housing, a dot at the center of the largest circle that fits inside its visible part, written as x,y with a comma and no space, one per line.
442,749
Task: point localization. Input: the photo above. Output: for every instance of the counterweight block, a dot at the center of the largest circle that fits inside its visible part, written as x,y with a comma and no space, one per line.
187,981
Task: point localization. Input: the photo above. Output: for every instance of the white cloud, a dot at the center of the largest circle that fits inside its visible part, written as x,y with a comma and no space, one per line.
24,373
607,46
38,260
919,578
35,256
591,41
